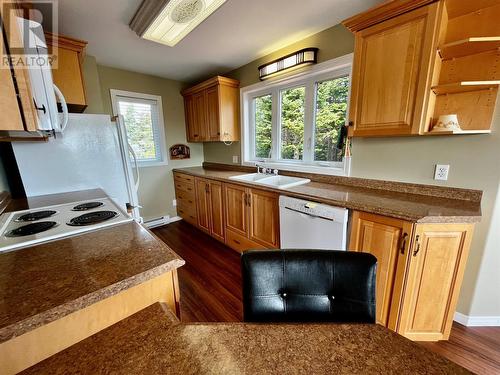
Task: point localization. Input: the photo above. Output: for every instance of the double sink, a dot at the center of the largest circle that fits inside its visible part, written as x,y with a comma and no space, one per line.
280,182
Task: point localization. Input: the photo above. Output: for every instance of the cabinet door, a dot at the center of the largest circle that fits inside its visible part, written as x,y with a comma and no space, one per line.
385,238
10,115
217,211
68,77
264,218
203,204
213,113
236,209
26,104
199,116
391,76
434,276
189,118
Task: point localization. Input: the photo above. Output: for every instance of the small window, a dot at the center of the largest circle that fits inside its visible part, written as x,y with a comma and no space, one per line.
263,126
143,120
331,109
292,123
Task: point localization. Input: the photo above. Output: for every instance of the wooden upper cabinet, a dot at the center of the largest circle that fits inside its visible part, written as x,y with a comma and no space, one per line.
17,109
10,115
212,111
199,117
264,218
433,279
393,68
386,239
67,72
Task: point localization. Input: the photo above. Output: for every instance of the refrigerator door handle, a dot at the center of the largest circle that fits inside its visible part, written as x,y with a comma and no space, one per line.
64,106
136,166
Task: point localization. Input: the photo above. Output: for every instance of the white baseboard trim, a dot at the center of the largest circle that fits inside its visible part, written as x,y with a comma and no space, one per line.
158,222
477,321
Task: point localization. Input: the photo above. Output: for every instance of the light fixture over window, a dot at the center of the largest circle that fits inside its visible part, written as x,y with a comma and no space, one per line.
289,62
169,21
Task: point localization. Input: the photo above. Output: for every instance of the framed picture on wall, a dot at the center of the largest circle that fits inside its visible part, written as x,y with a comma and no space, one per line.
180,151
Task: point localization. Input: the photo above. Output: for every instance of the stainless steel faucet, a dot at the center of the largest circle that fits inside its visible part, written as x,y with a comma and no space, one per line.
267,171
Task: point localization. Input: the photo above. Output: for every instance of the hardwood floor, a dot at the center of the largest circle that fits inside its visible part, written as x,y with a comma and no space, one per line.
210,286
210,281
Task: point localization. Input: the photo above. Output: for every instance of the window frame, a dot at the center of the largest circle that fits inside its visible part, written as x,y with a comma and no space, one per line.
309,77
116,94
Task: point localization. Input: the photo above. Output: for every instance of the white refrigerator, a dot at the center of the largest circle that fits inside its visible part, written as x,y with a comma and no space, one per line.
93,152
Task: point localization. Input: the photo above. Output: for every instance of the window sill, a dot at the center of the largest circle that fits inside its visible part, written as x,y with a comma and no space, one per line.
344,171
147,164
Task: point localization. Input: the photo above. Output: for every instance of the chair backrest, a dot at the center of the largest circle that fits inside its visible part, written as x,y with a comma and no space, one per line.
308,286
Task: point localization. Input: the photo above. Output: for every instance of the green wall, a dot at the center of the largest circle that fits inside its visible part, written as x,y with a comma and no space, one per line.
156,191
473,159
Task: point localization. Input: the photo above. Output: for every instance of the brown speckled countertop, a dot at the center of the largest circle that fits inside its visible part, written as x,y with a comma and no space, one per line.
150,342
43,283
421,208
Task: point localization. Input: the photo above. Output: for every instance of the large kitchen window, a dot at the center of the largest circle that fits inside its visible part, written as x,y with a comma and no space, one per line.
295,122
143,119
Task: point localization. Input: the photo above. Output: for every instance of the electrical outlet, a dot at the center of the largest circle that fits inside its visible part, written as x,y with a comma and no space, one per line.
441,172
174,203
236,159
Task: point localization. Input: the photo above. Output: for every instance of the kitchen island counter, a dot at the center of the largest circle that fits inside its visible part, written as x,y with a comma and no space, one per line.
89,280
152,342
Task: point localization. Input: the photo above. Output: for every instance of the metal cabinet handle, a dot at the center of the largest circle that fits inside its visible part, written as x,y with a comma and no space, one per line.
42,108
417,248
403,243
238,242
249,200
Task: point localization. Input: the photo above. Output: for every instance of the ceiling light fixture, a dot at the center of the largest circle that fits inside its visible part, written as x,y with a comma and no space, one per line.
306,56
169,21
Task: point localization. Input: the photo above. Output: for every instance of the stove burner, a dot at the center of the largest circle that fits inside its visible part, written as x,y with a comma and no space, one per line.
92,218
32,228
33,216
87,206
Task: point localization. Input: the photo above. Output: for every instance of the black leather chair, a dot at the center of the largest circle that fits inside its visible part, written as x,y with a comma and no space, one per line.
308,286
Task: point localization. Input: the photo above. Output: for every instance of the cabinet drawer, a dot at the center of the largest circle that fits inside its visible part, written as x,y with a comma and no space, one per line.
185,196
185,178
240,243
188,214
184,186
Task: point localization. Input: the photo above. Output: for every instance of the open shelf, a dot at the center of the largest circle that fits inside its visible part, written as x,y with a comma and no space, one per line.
464,86
461,132
469,46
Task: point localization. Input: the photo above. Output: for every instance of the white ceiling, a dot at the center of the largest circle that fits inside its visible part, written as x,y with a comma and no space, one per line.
237,33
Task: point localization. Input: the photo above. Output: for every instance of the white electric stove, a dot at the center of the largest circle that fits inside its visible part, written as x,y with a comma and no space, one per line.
29,227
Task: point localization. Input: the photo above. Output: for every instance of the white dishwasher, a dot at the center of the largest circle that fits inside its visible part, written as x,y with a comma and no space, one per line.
309,225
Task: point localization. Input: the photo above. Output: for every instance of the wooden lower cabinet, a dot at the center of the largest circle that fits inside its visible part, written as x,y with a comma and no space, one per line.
203,204
263,216
385,238
186,197
216,203
209,203
434,273
252,218
419,272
